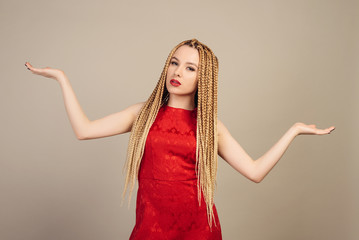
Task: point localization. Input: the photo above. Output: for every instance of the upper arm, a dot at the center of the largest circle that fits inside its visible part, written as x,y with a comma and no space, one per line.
116,123
230,150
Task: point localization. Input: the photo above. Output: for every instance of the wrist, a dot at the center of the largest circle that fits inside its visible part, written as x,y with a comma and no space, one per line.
294,129
62,79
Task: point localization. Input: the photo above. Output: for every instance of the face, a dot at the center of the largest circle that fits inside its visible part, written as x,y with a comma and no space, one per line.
182,71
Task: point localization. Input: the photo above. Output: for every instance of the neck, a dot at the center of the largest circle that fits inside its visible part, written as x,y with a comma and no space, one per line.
185,102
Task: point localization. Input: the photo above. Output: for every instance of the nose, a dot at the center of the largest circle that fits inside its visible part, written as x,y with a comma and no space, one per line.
178,71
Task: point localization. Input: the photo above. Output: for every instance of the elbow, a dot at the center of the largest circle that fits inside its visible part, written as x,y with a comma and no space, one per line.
256,178
253,176
82,133
80,137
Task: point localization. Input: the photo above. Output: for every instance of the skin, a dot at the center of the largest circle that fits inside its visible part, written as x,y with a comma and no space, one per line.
184,68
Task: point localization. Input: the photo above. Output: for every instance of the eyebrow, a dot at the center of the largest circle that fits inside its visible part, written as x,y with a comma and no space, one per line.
186,62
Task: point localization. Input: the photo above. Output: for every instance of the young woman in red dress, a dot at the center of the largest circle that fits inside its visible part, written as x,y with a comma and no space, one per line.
175,140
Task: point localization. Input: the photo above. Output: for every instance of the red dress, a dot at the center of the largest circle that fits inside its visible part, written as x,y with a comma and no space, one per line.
167,203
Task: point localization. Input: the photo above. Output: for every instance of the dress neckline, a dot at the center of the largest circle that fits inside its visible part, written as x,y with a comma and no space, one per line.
181,109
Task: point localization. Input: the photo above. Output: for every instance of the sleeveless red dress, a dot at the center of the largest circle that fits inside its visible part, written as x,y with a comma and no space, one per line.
167,202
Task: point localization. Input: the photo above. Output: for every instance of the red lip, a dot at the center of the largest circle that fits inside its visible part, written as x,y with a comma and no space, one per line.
174,82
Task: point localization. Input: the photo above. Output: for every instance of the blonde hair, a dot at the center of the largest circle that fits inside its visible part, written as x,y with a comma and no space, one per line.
206,143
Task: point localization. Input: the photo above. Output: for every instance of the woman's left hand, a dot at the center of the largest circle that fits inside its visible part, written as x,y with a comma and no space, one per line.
302,128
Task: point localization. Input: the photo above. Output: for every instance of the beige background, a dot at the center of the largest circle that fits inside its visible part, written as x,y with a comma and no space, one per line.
280,62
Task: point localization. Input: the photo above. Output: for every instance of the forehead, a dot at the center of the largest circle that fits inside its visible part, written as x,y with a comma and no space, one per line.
187,54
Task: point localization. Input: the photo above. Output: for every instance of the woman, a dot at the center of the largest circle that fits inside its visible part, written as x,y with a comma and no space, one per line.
174,143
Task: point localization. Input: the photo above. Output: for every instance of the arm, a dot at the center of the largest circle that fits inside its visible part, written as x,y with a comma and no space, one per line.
113,124
256,170
116,123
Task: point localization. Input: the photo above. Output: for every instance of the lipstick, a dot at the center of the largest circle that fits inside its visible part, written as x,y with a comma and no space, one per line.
175,83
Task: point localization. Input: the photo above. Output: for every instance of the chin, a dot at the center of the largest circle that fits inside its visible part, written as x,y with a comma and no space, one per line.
172,89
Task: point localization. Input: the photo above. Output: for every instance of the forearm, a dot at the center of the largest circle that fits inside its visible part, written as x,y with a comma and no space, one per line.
265,163
77,117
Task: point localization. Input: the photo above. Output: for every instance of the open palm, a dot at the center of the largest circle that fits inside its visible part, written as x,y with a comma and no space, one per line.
46,72
312,129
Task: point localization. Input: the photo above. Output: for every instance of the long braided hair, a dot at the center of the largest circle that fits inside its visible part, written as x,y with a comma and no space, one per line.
206,142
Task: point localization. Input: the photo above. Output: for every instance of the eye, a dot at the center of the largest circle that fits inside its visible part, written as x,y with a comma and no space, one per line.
174,63
191,69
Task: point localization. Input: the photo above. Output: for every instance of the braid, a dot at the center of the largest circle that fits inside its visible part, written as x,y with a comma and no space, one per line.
206,133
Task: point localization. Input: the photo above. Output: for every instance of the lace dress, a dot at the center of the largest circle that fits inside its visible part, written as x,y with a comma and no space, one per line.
167,203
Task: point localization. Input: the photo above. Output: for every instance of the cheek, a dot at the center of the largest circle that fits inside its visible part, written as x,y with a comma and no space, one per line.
170,69
195,79
169,75
195,84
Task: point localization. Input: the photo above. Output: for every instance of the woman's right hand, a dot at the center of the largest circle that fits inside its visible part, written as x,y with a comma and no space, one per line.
46,72
301,128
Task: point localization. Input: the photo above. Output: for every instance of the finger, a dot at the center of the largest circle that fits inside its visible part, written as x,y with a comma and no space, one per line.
31,68
331,129
27,65
325,131
322,131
